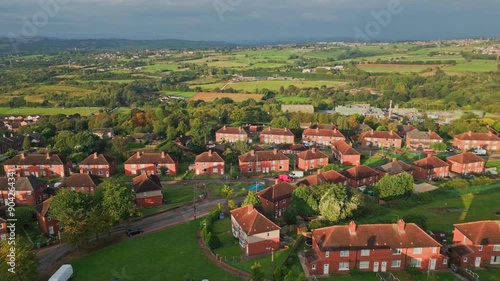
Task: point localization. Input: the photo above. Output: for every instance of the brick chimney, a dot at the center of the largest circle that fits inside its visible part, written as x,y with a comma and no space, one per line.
490,133
394,159
470,133
371,131
352,228
252,152
401,225
390,133
47,155
23,156
210,153
276,181
317,129
138,155
225,127
319,171
313,149
275,151
163,154
429,155
95,155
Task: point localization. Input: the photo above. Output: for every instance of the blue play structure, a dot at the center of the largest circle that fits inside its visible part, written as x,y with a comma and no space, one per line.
257,186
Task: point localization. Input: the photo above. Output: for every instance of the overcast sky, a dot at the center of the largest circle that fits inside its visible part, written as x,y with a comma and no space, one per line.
250,20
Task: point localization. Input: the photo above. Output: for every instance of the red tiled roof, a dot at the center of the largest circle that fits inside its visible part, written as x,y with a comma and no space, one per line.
481,232
251,221
395,167
311,154
35,159
150,158
97,159
322,177
430,163
254,156
380,135
232,130
82,180
344,148
465,158
323,133
360,172
422,135
277,192
29,183
277,131
209,156
477,136
43,207
145,183
373,236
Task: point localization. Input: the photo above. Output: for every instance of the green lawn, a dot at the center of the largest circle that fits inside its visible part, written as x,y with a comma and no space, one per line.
474,65
491,164
175,195
48,110
436,276
171,254
271,85
374,160
293,99
186,95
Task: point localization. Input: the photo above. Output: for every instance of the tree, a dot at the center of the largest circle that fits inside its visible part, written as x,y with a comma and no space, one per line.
27,143
116,199
438,146
301,202
256,272
232,205
251,198
302,277
26,266
289,276
290,215
394,186
332,166
227,192
241,147
278,273
338,204
120,147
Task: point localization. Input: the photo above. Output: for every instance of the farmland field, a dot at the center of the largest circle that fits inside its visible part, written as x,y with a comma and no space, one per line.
236,97
186,95
273,85
48,111
395,67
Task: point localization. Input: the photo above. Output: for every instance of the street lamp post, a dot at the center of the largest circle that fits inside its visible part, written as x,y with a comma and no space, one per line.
272,259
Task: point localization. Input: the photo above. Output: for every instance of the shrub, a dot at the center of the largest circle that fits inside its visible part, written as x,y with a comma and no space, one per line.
231,204
457,183
482,181
213,241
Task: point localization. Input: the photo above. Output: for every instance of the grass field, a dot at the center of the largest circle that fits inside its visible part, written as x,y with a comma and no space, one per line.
171,254
186,95
293,99
175,195
403,68
236,97
443,213
272,85
474,66
47,111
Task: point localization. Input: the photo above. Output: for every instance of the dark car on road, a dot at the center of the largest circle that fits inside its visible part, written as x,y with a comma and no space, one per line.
134,231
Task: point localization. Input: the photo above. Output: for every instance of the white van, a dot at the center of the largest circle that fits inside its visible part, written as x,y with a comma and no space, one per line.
64,273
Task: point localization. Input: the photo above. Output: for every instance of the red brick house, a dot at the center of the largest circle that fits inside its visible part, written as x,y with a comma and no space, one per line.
38,165
98,164
344,152
373,248
396,168
147,190
275,199
208,163
476,244
430,168
380,139
231,134
277,136
256,233
263,162
470,140
46,223
3,229
361,175
151,164
322,136
421,140
324,177
466,163
311,159
29,191
85,183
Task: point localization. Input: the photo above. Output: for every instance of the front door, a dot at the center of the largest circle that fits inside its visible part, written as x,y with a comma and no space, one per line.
375,266
326,268
432,266
478,262
51,230
384,266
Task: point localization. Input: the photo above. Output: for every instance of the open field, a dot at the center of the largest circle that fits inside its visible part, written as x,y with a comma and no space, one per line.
473,66
186,95
404,68
236,97
48,111
273,85
171,254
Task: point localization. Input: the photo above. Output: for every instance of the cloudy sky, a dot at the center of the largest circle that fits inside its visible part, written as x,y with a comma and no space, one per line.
251,20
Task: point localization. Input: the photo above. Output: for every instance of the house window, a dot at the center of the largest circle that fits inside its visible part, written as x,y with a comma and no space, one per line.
396,251
100,173
396,263
281,167
133,165
434,250
445,261
313,267
49,218
417,251
242,243
495,259
465,259
327,254
364,264
216,170
480,247
496,248
28,192
249,164
249,170
416,263
344,253
365,253
344,265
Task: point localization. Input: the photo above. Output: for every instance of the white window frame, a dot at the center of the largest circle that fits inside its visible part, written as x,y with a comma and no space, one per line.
416,262
480,248
496,248
344,253
365,253
397,251
417,251
327,254
398,263
343,266
364,264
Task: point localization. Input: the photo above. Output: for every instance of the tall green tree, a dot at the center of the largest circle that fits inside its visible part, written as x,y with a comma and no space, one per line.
338,204
116,199
256,272
251,198
26,265
394,186
27,143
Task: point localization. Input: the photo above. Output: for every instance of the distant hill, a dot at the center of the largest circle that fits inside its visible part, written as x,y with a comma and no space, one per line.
33,45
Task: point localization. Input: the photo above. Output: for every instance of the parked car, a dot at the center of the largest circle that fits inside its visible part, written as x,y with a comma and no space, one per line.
296,174
64,273
285,178
134,231
479,151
